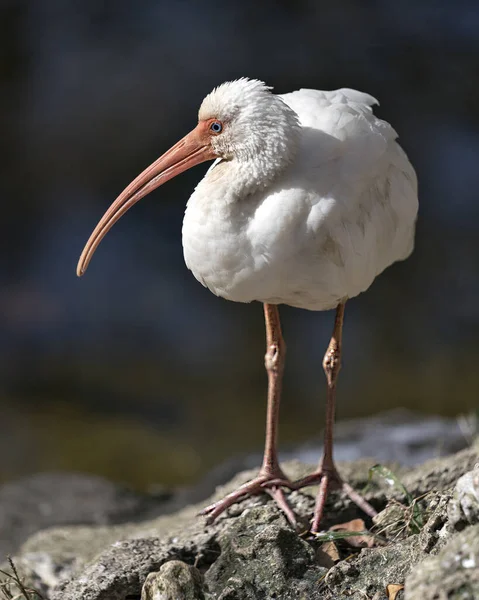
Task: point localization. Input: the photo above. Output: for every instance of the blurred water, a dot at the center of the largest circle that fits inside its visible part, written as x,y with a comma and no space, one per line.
122,372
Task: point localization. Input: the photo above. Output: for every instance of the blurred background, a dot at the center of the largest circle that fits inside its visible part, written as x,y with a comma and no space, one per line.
136,371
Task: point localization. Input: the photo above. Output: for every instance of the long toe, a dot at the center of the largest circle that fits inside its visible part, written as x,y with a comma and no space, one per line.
312,479
359,500
259,485
278,496
315,478
329,479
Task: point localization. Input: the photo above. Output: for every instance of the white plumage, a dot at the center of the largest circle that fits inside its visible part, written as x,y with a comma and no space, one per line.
309,199
312,200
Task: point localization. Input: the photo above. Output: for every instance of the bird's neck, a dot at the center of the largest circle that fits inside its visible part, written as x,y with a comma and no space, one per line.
237,178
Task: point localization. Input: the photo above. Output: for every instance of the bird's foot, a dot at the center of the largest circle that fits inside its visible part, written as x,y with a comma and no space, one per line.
270,482
328,478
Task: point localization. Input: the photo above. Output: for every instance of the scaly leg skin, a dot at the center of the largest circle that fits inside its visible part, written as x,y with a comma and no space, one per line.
326,473
270,477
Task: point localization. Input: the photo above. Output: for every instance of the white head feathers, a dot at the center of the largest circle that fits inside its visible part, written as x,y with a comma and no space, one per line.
257,125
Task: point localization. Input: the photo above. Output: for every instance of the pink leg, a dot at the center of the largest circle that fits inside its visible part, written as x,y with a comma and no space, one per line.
270,470
326,473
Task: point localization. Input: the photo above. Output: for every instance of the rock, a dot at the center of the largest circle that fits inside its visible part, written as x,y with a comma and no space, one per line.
51,499
251,552
121,570
112,562
262,557
174,581
453,574
433,513
464,507
440,473
372,570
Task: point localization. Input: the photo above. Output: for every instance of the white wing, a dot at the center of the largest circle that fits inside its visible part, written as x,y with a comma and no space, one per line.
342,212
340,125
352,189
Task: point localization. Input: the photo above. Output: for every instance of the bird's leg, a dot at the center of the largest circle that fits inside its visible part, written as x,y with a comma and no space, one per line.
326,473
274,364
270,476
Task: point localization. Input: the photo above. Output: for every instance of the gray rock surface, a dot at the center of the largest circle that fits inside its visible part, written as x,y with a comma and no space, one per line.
464,507
252,553
49,499
174,581
261,557
372,570
453,574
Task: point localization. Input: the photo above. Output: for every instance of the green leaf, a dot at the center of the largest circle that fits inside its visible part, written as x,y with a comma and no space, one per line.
391,479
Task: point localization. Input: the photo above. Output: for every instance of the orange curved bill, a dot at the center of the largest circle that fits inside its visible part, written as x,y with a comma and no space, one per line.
188,152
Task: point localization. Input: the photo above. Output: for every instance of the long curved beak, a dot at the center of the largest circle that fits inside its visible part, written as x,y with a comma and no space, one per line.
193,149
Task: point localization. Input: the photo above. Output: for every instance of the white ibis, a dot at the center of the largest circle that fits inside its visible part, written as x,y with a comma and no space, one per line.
309,199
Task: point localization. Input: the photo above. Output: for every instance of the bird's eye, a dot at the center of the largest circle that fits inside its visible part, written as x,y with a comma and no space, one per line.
216,127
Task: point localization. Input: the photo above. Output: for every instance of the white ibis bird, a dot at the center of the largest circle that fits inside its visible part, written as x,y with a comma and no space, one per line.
309,199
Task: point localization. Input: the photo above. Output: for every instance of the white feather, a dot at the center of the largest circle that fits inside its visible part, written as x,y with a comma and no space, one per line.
306,215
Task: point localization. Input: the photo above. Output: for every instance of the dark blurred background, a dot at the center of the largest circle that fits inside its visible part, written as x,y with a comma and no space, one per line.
136,371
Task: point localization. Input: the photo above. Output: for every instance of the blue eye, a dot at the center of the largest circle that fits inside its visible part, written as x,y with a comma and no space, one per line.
216,127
